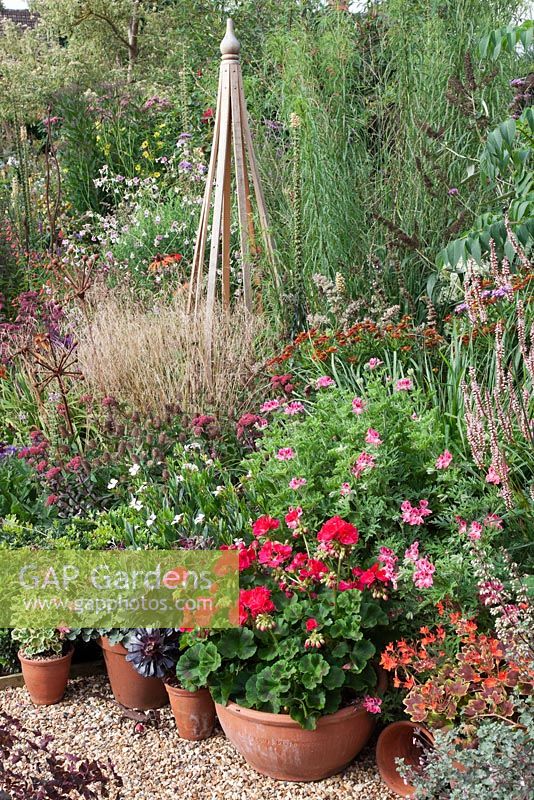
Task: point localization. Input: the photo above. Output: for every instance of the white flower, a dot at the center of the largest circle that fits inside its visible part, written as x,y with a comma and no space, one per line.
180,478
137,504
134,469
192,446
190,467
151,520
178,518
218,490
199,518
113,482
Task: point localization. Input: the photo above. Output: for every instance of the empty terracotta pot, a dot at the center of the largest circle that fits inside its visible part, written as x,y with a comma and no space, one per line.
46,679
405,740
129,688
194,712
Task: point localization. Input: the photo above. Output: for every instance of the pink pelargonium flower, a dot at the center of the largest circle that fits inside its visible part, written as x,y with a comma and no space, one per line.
373,437
424,570
358,405
295,407
412,553
493,476
269,405
373,363
345,490
273,554
493,521
292,518
404,385
363,462
324,382
372,704
444,460
285,454
475,531
415,515
297,483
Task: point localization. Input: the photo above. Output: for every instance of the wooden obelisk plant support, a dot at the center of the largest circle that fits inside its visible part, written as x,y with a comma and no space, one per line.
232,142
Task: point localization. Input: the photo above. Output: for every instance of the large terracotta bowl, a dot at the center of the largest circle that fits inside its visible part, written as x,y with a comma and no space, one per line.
276,745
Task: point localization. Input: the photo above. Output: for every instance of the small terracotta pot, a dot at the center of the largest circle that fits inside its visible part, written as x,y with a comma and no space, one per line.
276,745
129,688
194,712
406,740
46,679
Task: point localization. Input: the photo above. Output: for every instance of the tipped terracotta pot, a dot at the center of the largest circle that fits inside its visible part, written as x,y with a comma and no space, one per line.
129,688
405,740
46,679
276,745
194,712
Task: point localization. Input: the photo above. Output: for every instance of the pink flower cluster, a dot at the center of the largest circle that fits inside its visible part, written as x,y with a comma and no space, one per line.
444,460
297,483
363,462
372,704
295,407
358,405
424,570
403,385
373,363
324,382
285,454
372,437
389,560
415,515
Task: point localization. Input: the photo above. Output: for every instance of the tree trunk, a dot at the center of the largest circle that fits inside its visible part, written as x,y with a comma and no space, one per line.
133,40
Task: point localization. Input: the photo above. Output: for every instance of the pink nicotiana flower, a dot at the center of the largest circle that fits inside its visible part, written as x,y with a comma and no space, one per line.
296,483
358,405
373,363
364,462
403,385
285,454
269,405
443,461
324,382
296,407
424,570
373,437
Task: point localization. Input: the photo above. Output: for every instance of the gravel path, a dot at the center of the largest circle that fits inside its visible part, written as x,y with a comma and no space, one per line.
155,764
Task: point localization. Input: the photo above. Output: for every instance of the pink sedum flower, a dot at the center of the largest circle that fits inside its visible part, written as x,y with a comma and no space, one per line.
372,704
373,437
297,483
404,385
324,382
444,460
285,454
358,405
296,407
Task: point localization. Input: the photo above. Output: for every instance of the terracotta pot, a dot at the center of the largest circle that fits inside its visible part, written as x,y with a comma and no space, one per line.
46,679
276,745
194,712
406,740
129,688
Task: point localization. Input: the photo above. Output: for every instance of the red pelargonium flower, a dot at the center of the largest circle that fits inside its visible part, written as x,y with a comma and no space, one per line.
311,624
338,530
273,554
314,569
247,555
254,602
292,517
366,578
264,524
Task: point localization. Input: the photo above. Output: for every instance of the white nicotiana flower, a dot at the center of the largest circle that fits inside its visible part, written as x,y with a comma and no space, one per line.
151,520
199,518
113,482
177,519
134,469
137,504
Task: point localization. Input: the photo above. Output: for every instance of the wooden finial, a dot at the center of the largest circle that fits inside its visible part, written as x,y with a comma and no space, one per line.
230,46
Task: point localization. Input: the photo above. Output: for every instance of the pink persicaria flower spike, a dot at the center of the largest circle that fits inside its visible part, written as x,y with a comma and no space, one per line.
296,407
403,385
269,405
372,704
345,490
373,437
444,460
297,483
324,382
358,405
285,454
373,363
292,518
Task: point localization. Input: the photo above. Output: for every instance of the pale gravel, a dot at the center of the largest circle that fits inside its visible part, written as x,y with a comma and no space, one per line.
157,765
